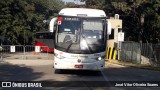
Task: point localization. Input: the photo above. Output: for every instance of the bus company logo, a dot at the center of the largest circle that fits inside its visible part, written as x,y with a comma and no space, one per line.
6,84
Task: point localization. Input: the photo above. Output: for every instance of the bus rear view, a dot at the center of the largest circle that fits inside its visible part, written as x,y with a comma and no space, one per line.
80,40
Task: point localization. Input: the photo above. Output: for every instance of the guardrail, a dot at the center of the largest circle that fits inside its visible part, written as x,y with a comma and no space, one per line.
21,52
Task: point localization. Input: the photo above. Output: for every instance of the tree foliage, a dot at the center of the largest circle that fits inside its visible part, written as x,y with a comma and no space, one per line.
20,19
141,18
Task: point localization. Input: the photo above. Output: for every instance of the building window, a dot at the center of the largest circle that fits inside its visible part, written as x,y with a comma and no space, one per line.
111,36
119,29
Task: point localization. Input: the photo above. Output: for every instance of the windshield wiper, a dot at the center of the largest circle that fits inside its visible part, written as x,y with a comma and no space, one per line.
89,48
69,46
74,39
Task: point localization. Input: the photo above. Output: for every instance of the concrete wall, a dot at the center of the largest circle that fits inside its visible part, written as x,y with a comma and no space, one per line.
115,24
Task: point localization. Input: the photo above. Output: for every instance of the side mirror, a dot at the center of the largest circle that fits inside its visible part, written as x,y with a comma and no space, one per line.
52,24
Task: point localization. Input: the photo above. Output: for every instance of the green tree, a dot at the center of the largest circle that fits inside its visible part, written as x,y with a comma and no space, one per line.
140,17
152,19
12,21
21,19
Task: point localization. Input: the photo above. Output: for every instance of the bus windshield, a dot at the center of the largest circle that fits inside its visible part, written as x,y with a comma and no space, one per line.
81,35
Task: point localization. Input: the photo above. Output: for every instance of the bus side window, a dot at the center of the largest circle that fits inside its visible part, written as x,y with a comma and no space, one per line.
49,36
41,37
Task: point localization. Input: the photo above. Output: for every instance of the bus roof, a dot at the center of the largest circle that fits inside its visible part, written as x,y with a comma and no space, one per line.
82,12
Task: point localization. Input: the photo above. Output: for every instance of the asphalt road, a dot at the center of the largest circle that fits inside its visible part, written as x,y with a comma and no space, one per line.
42,70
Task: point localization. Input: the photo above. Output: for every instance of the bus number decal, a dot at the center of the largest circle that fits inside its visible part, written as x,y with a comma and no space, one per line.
71,19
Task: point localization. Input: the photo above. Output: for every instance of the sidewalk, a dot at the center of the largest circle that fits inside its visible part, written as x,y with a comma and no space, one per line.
28,62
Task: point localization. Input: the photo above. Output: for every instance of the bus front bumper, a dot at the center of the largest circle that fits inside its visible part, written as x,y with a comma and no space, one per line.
96,66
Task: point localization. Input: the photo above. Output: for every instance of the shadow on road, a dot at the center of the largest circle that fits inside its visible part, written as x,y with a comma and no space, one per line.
79,72
9,72
120,73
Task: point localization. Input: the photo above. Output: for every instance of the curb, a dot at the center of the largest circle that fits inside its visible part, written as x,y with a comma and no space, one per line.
28,62
140,66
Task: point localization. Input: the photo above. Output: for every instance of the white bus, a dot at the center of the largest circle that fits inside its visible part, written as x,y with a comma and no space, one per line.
80,39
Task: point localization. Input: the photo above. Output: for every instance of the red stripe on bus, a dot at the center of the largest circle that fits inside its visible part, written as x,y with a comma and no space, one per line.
44,47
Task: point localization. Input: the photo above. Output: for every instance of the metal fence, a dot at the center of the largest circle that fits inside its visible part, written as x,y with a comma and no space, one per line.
130,52
150,53
29,52
140,53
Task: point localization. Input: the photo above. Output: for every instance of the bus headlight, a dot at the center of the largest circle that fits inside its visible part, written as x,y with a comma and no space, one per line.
99,58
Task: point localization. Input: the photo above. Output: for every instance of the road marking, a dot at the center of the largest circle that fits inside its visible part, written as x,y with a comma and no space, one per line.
104,76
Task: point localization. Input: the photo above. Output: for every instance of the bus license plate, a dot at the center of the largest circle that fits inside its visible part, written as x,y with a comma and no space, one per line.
78,66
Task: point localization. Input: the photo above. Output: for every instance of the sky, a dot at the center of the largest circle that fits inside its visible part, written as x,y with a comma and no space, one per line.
75,1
